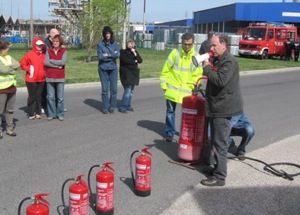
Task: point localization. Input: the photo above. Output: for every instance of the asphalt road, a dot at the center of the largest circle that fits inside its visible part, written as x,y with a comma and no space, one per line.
46,153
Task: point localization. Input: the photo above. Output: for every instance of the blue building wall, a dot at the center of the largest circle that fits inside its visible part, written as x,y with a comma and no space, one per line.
277,12
181,23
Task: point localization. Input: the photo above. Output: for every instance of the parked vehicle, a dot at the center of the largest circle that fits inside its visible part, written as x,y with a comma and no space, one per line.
265,40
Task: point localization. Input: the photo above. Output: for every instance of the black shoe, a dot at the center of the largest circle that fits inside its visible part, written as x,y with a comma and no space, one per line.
169,139
104,111
111,110
212,182
122,111
130,109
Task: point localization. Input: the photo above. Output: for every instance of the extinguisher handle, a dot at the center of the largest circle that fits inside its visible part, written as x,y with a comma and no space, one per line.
107,165
81,181
39,197
146,151
201,78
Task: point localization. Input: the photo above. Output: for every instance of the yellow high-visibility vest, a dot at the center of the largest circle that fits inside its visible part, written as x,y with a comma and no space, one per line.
7,80
179,75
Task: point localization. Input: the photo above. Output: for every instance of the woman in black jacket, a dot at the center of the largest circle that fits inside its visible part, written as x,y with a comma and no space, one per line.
129,74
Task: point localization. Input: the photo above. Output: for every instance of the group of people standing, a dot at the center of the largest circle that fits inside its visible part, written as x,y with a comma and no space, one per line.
108,52
291,46
44,68
224,103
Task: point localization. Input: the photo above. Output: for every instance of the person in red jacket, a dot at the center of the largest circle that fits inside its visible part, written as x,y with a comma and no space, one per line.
55,61
33,64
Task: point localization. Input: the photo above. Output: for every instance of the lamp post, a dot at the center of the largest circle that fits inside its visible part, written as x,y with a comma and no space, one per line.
126,3
31,22
144,21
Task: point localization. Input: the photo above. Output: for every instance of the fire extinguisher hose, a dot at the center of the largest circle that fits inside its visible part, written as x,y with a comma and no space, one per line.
63,189
21,203
131,169
272,170
89,177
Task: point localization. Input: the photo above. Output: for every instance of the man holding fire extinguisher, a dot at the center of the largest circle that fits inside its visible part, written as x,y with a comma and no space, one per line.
177,79
224,101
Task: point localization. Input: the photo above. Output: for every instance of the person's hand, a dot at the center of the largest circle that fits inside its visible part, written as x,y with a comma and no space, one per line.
206,63
133,51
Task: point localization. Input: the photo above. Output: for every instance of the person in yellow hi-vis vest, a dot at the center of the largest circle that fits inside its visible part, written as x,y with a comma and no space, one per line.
8,88
177,79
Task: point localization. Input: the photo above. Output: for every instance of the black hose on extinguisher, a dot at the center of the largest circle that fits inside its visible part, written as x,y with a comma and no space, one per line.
21,203
63,195
131,169
89,179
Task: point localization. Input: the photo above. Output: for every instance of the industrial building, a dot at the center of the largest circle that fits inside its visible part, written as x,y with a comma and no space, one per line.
231,18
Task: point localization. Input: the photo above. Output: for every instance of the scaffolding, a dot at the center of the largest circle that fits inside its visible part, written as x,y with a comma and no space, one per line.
69,10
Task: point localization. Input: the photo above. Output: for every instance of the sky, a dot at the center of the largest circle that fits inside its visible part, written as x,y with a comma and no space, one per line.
156,10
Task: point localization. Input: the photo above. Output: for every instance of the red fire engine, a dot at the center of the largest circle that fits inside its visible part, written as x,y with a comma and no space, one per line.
265,40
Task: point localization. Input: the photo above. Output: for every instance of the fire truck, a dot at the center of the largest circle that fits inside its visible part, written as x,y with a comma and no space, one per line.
266,40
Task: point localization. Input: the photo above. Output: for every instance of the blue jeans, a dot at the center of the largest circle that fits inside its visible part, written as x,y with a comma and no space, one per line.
170,118
246,133
55,90
109,79
127,97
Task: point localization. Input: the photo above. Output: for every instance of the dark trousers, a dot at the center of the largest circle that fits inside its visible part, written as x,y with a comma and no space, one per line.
220,131
296,55
34,100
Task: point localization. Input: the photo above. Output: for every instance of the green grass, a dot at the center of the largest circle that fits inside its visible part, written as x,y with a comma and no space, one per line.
80,71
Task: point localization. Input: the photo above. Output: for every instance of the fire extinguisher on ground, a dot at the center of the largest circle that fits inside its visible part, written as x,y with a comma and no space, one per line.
78,197
142,180
39,206
104,189
194,124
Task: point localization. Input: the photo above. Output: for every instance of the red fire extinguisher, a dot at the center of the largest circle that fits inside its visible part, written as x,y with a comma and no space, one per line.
39,206
142,180
194,123
104,189
78,197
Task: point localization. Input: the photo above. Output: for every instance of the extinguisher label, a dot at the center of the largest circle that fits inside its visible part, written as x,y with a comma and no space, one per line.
79,204
141,166
189,111
74,196
105,198
102,185
183,146
143,178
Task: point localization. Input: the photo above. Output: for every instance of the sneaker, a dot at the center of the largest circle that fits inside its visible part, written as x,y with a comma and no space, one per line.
105,111
31,117
49,118
130,109
122,111
60,118
37,116
10,132
111,110
212,182
169,139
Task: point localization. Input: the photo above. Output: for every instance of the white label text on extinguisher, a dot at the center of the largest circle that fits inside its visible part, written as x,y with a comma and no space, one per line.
189,111
105,196
188,127
143,176
79,204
